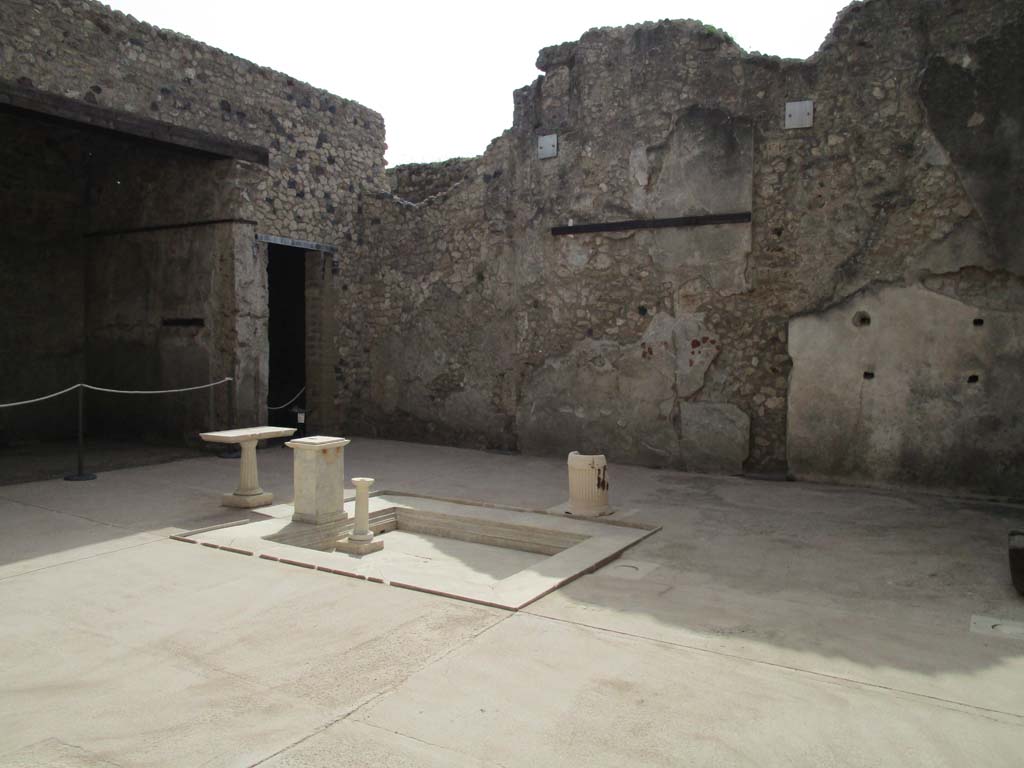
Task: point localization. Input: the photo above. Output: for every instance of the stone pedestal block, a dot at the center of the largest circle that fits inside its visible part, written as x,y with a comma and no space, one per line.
319,463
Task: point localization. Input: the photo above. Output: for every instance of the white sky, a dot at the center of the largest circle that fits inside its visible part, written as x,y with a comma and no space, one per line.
441,72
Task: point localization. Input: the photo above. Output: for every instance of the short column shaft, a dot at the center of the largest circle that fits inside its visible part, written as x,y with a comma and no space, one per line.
249,479
361,530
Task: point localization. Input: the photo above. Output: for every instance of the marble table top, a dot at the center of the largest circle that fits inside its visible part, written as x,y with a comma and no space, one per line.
247,434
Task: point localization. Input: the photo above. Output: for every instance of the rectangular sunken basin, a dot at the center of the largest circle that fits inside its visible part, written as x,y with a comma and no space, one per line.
498,556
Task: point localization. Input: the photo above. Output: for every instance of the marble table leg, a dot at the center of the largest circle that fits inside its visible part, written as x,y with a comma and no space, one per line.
249,494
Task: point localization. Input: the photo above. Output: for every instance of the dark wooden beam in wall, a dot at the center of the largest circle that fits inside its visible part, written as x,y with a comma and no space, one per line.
680,221
159,227
291,242
27,99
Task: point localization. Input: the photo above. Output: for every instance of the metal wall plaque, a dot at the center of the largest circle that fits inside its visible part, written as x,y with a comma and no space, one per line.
799,114
547,146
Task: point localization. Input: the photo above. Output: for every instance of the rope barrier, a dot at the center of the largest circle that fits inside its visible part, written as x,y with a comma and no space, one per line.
40,399
82,386
279,407
155,391
119,392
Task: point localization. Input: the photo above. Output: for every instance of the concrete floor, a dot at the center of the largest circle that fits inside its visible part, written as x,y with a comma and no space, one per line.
766,624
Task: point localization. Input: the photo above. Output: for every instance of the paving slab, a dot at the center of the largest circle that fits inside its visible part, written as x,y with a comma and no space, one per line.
185,656
531,691
32,538
152,499
911,653
54,753
870,586
357,745
767,623
52,460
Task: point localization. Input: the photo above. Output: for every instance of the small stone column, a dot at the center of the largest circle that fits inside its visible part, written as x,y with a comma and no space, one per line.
361,531
249,476
319,475
588,485
360,541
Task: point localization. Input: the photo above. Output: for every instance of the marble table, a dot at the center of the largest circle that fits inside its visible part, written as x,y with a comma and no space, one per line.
249,494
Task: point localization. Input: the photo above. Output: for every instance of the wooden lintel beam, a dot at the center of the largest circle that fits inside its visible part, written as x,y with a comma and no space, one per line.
24,98
306,245
159,227
679,221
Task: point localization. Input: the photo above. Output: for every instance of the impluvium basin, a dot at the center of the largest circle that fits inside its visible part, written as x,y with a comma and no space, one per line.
500,556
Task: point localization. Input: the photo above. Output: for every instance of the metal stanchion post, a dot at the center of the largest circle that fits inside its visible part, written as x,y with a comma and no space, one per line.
232,419
81,474
232,451
211,410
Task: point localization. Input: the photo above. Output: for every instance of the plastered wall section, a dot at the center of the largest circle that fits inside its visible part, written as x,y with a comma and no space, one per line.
909,385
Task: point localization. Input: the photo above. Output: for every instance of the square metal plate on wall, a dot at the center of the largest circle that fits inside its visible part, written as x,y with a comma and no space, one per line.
799,114
547,146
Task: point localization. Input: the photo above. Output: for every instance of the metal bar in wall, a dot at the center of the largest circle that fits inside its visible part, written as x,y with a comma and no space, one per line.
680,221
158,227
305,245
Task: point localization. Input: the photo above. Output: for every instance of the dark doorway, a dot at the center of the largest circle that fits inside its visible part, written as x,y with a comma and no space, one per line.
286,273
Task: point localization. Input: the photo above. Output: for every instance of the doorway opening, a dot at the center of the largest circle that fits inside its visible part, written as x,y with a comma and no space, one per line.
286,280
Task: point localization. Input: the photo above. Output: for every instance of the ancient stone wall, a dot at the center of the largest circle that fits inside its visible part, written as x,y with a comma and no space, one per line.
324,150
833,334
672,346
324,153
416,182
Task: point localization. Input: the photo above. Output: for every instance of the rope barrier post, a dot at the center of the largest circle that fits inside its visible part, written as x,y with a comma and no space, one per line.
82,386
209,409
232,420
81,474
231,451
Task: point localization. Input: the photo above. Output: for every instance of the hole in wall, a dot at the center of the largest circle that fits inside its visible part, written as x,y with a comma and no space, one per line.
973,378
869,375
642,310
861,319
979,321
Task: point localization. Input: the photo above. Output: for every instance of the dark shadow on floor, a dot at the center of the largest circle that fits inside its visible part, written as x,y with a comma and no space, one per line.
29,462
